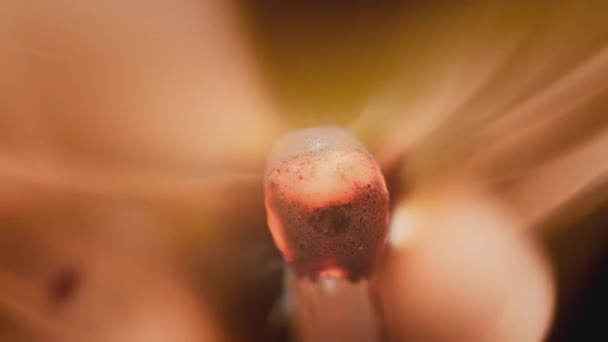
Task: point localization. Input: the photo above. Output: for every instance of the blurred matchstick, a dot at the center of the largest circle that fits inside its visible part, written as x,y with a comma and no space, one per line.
332,309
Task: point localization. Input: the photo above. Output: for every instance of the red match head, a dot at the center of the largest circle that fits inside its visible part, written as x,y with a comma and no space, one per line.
326,202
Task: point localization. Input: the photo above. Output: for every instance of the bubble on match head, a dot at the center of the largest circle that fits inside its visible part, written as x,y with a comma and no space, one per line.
309,140
326,203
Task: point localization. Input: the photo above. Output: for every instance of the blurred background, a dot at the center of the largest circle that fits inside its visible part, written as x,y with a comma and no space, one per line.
134,135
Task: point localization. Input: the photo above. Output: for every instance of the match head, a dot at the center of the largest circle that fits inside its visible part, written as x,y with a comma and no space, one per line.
326,202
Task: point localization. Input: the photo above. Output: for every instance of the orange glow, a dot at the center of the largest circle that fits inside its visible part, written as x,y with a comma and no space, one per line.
277,231
333,272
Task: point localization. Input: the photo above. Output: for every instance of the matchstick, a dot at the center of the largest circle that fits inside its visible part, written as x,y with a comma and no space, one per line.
327,207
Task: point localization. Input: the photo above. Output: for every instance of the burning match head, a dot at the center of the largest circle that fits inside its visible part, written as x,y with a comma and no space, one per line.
327,203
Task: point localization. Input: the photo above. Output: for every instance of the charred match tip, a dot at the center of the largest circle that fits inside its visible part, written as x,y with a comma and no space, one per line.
327,204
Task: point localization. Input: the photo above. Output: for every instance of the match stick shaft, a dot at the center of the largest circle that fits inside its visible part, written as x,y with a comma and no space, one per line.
333,309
